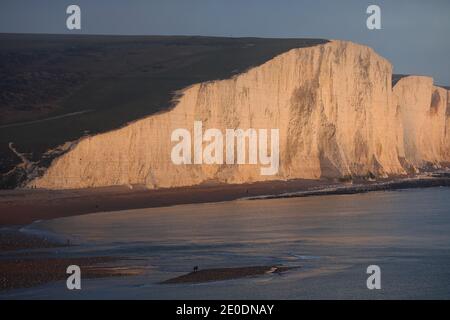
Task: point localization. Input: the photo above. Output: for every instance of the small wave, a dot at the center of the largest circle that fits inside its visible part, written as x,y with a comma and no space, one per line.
33,229
303,257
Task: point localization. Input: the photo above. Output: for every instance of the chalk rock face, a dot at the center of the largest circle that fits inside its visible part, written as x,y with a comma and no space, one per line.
446,149
333,105
423,113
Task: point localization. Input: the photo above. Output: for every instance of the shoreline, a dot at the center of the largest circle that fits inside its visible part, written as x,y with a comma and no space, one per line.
21,268
24,206
417,183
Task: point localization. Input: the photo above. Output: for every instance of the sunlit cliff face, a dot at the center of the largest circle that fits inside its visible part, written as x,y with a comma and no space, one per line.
333,104
423,113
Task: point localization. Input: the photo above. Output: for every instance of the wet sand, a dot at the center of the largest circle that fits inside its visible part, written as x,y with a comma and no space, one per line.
13,239
221,274
30,272
24,269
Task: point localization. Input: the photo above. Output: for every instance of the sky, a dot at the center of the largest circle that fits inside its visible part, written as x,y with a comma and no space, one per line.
415,34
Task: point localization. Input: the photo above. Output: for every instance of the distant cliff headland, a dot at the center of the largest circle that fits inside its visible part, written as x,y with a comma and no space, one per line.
337,111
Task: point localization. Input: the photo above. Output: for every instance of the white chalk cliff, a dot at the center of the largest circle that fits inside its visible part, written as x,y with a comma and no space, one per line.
334,105
423,117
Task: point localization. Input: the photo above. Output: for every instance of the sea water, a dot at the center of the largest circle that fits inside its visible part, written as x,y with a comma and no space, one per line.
332,239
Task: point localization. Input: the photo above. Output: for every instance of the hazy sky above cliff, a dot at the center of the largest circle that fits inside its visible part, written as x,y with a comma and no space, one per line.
414,37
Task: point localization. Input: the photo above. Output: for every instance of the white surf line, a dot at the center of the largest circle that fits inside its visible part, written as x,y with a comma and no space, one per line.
297,193
33,229
46,119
